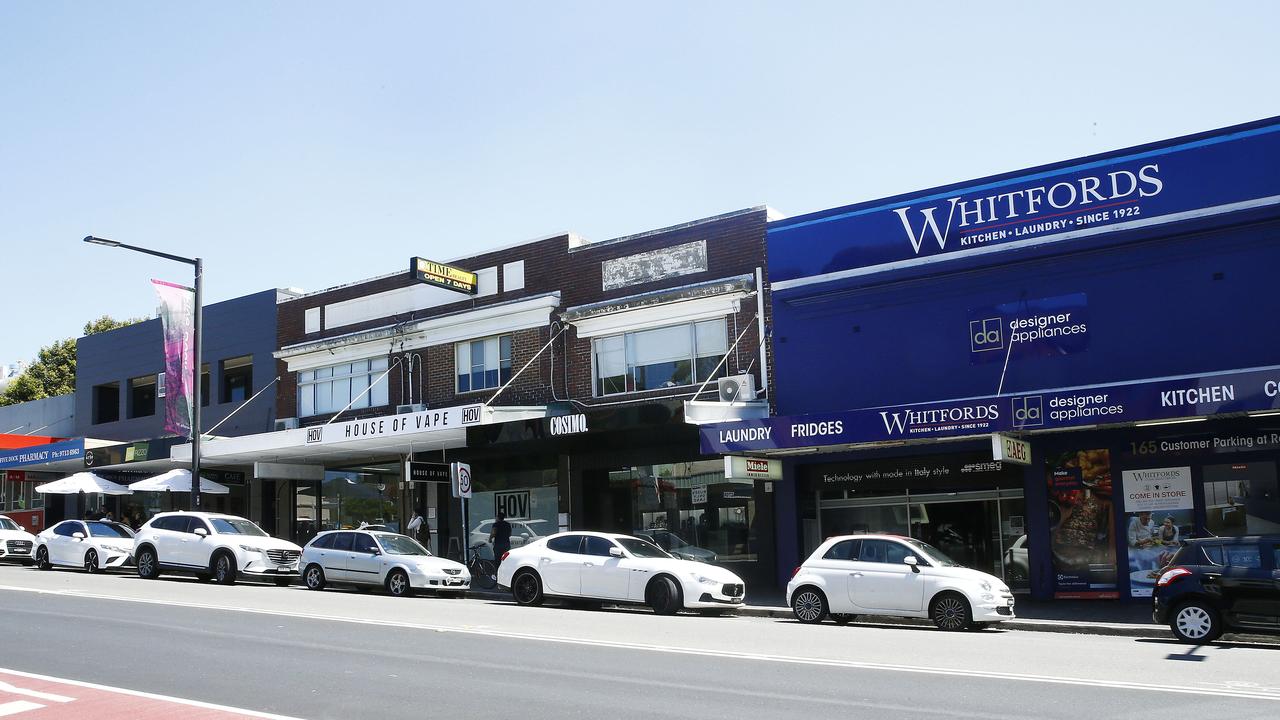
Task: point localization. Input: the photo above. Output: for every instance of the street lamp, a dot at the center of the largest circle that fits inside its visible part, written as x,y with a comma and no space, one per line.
195,373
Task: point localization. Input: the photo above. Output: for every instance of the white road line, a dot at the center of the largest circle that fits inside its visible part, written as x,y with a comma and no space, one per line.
1259,694
6,687
147,695
18,706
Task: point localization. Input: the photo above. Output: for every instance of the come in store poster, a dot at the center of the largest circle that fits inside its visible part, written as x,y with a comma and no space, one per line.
1159,512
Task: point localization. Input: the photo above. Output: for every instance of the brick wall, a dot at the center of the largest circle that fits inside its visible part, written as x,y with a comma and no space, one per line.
735,246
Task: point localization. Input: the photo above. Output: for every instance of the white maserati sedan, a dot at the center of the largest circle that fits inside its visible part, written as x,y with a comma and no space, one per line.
94,545
380,559
851,575
615,568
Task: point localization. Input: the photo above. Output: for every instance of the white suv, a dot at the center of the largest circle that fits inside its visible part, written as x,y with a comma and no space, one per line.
852,575
213,546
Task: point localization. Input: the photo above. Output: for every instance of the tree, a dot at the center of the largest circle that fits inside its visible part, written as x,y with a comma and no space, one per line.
54,370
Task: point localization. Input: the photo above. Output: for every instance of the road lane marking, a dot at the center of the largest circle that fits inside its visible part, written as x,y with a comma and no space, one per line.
18,706
1255,694
141,694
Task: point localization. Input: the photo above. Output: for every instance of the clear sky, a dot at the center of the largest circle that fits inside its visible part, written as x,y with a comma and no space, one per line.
310,144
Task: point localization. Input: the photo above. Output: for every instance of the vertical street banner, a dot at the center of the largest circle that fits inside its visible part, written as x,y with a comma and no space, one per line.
177,319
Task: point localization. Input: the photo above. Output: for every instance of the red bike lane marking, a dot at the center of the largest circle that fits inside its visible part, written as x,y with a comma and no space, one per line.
27,696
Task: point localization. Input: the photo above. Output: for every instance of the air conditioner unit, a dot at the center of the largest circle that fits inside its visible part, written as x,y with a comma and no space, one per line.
737,388
286,424
416,407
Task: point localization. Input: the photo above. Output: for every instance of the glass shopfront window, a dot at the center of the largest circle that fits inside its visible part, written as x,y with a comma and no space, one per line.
691,510
349,498
529,498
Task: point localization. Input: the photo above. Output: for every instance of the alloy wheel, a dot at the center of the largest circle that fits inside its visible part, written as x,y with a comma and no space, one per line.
526,588
949,613
1194,622
91,561
397,584
313,578
808,606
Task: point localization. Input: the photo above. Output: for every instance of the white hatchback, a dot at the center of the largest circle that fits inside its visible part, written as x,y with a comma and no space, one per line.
396,562
616,568
889,575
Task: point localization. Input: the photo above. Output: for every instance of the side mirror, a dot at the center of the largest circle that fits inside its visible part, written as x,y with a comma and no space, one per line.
615,551
375,552
78,535
913,562
201,532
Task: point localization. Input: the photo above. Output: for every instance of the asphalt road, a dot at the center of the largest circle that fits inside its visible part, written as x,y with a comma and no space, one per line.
352,655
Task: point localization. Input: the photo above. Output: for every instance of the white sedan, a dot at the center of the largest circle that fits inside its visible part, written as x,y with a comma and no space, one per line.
615,568
375,558
94,545
853,575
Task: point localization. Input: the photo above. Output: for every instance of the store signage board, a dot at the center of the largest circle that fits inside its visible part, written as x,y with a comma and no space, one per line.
1159,183
1195,396
41,454
449,418
1010,449
429,472
1042,327
1157,489
445,276
748,468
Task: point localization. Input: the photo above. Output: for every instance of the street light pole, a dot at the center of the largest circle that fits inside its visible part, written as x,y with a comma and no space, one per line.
195,349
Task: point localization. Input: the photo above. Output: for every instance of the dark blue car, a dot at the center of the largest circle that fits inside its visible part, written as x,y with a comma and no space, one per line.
1217,585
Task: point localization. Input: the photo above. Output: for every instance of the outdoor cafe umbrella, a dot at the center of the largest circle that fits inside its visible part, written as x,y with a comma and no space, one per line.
81,483
177,480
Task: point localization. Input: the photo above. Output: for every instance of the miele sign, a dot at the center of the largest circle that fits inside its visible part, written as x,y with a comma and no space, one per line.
391,425
746,468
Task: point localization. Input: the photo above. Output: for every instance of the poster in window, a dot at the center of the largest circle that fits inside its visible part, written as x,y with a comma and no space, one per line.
1159,509
1082,525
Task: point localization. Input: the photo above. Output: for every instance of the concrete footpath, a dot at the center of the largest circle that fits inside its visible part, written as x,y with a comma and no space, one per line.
1088,617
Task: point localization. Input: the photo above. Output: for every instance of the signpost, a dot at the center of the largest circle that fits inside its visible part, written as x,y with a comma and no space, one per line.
445,276
460,473
1010,449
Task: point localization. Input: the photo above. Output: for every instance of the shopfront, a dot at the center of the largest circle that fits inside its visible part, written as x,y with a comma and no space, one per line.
635,470
1093,308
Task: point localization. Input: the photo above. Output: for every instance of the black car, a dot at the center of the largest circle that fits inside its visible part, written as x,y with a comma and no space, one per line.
1217,585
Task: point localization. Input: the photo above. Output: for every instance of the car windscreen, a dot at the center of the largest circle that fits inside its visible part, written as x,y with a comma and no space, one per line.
400,545
108,530
641,549
236,526
7,524
931,552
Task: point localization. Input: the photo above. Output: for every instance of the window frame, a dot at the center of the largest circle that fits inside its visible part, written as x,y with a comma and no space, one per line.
311,379
630,384
506,340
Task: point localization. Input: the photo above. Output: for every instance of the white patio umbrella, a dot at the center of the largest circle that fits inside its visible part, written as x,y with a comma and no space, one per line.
177,480
82,482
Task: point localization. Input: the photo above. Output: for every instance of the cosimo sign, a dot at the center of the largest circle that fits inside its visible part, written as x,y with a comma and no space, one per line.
1194,178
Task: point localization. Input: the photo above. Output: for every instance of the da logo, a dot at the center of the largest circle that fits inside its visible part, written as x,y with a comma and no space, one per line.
1028,411
986,335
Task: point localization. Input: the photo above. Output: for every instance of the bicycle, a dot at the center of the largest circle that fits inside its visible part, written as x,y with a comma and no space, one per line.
484,573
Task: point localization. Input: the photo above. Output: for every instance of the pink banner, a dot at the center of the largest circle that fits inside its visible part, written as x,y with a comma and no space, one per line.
177,318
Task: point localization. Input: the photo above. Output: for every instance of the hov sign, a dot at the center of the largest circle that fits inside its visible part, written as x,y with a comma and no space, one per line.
1010,449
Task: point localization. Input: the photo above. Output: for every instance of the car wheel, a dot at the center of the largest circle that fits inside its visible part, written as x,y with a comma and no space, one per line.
842,618
809,605
664,596
148,564
1196,622
224,569
398,583
42,558
950,611
91,561
527,588
313,578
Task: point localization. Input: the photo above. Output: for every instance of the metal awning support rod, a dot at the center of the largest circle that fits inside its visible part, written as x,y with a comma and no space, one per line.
526,366
242,406
712,374
390,367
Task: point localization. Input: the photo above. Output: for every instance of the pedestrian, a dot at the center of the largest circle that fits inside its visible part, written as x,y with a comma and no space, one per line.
500,537
420,529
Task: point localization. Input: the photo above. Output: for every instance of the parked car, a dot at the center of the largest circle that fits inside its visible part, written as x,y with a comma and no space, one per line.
1217,585
676,545
396,562
889,575
16,544
615,568
94,545
213,546
522,531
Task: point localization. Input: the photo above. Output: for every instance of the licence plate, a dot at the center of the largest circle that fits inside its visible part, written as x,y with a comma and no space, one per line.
453,581
285,569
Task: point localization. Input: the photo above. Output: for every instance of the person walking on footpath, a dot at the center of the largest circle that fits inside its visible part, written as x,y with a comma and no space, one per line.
500,537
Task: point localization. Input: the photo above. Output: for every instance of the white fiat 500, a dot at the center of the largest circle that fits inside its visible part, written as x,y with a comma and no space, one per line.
615,568
396,562
853,575
94,545
15,542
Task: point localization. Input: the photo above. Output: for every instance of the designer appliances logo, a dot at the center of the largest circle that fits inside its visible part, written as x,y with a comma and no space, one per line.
1028,411
1033,210
986,334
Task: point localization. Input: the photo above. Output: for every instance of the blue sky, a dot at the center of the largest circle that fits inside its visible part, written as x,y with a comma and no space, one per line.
310,144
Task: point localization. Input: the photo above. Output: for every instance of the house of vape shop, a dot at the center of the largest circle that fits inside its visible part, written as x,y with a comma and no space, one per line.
634,470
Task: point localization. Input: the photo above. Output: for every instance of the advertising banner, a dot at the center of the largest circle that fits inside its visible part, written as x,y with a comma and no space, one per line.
40,454
1159,511
177,319
1042,327
1235,391
1082,525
